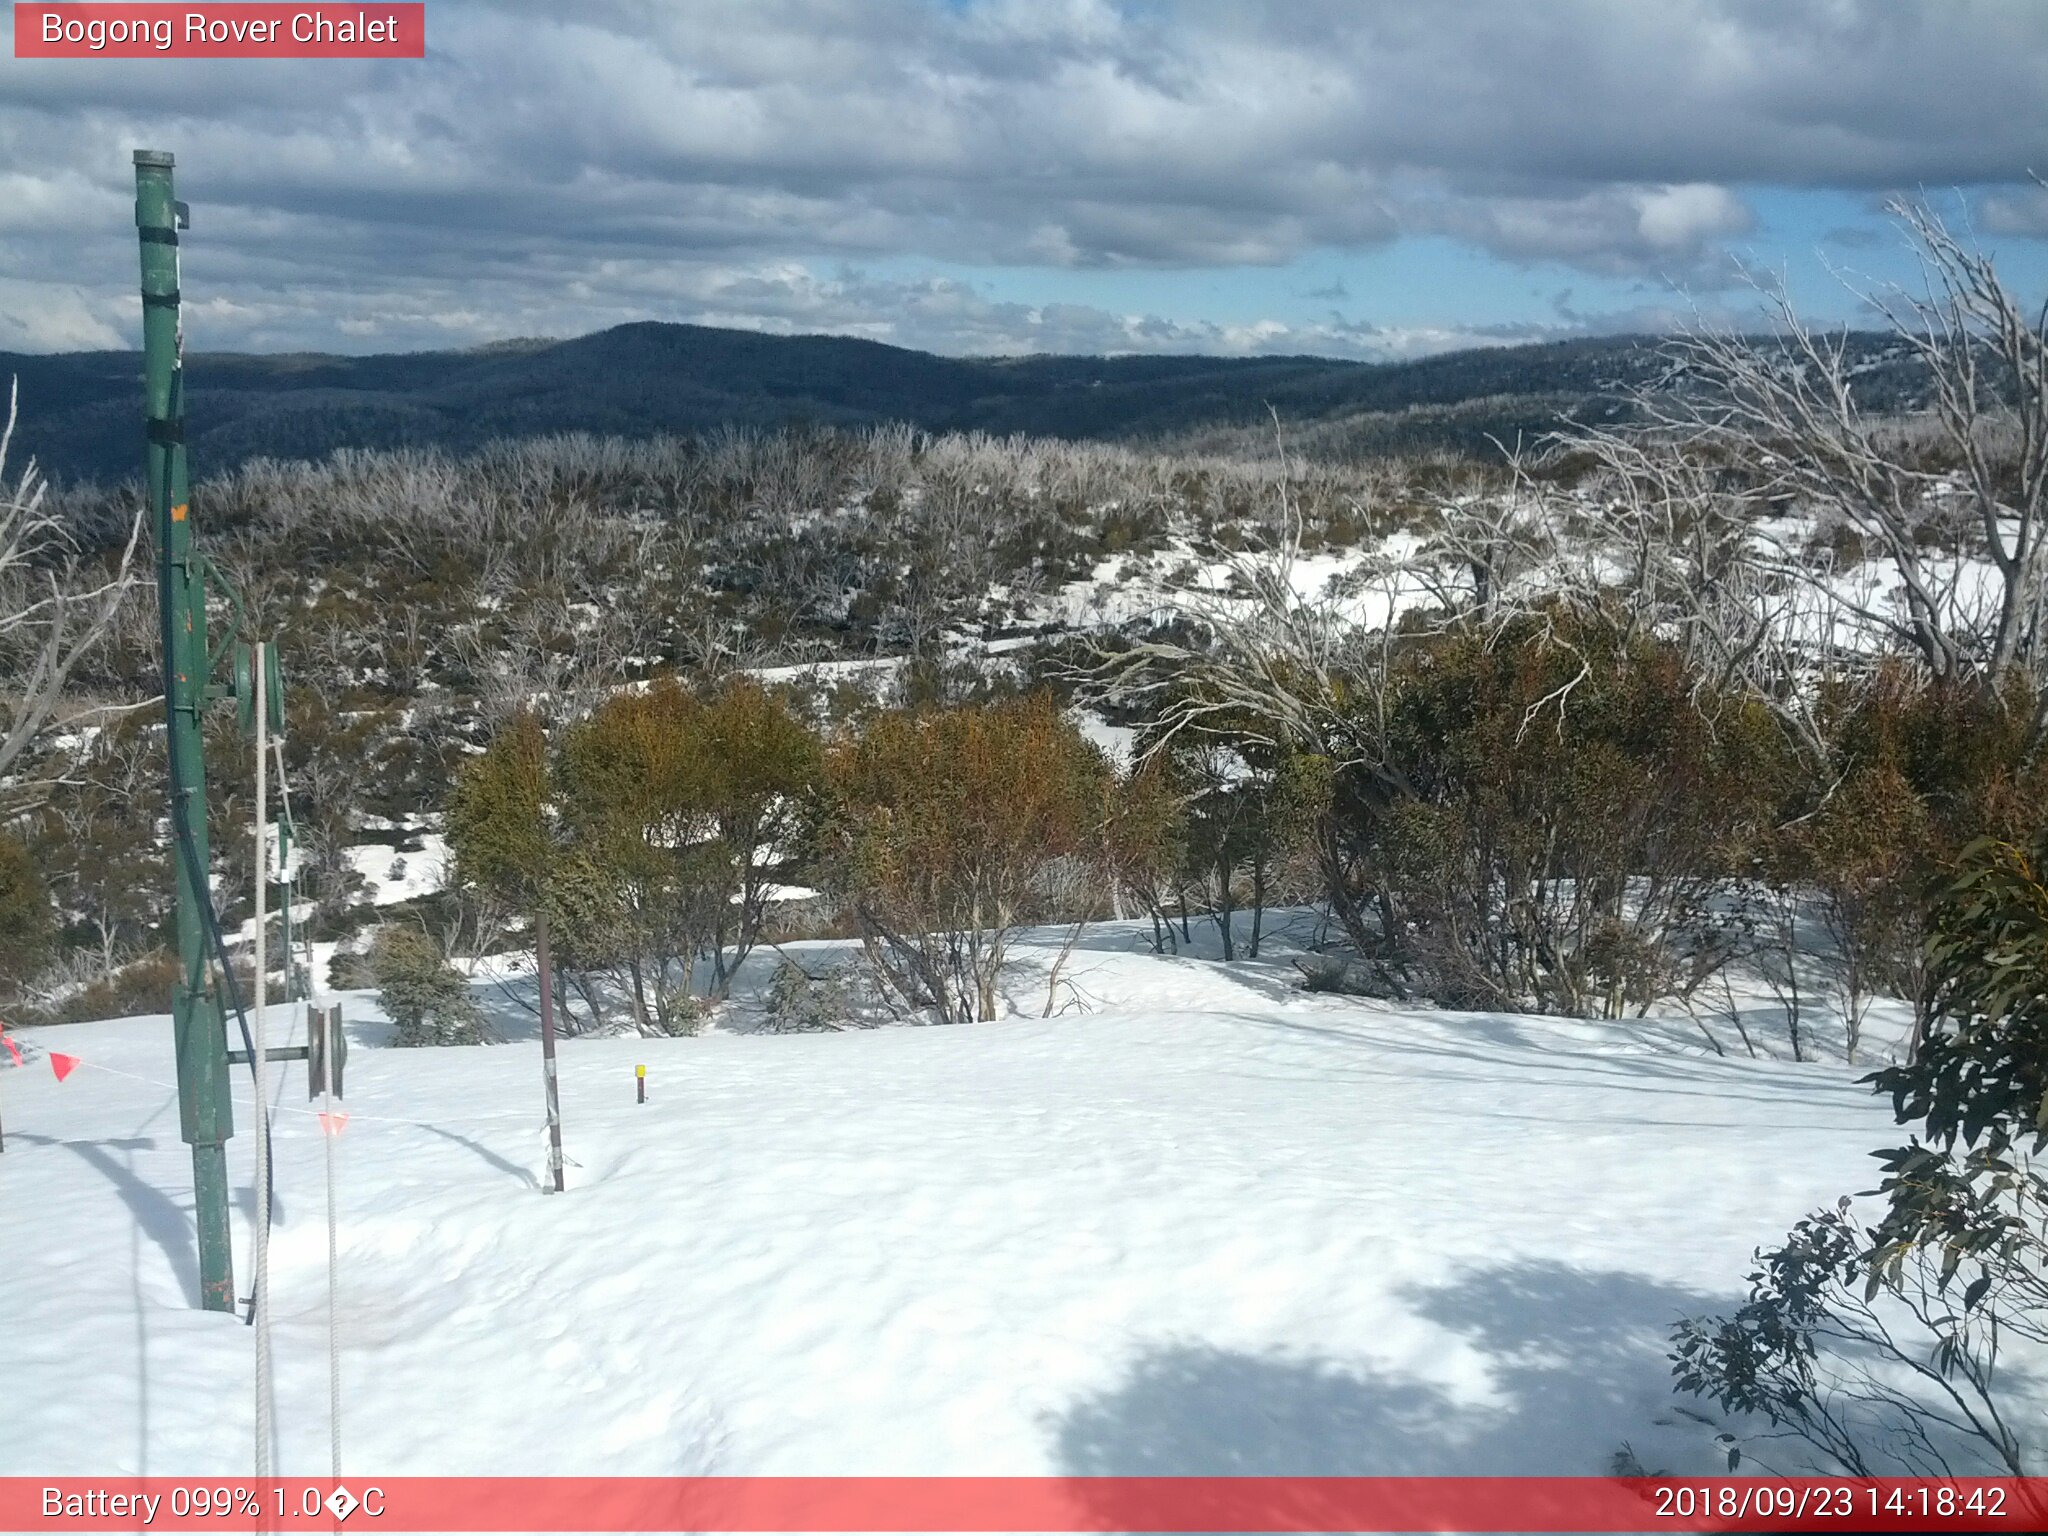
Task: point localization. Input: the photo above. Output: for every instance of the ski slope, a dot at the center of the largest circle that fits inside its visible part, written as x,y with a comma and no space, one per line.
1212,1225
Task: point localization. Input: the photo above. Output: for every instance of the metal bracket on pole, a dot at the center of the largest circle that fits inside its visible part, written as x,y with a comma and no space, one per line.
326,1050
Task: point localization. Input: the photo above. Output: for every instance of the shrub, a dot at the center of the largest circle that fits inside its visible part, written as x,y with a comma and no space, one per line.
1566,808
687,804
953,828
800,1003
27,929
1919,770
427,998
143,985
1880,1345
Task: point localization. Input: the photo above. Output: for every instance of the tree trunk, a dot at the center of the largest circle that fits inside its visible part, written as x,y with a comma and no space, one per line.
1224,910
1258,903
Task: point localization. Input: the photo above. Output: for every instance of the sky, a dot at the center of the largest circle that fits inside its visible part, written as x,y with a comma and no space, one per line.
1342,177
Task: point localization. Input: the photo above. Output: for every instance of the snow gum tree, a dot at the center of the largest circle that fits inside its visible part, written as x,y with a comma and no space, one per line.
951,829
1146,843
498,812
1569,807
56,606
653,832
689,807
501,827
426,997
1917,771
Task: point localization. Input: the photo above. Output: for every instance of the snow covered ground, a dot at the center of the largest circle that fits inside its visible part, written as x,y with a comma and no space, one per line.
1212,1225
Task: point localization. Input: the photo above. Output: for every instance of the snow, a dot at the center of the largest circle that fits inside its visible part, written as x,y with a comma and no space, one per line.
1214,1224
1118,743
392,876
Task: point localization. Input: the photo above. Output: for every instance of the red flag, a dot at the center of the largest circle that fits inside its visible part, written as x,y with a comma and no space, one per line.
13,1049
332,1122
62,1064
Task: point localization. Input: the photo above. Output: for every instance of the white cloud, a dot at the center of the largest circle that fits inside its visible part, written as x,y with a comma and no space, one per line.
1685,217
2022,211
567,161
48,317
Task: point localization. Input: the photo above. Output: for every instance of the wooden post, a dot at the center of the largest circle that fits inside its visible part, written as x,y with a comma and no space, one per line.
546,970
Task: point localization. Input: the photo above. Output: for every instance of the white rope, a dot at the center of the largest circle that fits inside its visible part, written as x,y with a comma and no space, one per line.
291,825
260,1059
332,1028
353,1117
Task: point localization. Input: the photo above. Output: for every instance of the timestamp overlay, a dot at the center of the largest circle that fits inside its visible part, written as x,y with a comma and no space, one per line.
1017,1504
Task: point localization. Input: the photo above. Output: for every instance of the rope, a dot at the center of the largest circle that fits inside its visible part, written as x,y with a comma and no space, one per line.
311,1114
291,831
259,1061
333,1026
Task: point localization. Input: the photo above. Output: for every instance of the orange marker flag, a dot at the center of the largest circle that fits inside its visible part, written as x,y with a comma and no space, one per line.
62,1064
331,1121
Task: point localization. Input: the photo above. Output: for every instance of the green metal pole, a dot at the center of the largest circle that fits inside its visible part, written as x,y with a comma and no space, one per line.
197,1022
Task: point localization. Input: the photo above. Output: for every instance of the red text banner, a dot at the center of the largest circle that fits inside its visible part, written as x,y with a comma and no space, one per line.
1017,1504
220,31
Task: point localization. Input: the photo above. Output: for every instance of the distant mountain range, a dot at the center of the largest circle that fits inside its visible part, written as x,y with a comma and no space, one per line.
81,411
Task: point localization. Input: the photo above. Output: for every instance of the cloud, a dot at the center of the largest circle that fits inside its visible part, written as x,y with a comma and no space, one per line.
1672,231
48,317
621,158
2022,211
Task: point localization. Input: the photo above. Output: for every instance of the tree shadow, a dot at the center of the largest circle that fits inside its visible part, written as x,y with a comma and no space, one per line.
1558,1367
497,1160
1500,1042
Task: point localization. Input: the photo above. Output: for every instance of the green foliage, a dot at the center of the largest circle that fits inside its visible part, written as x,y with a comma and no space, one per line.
798,1002
143,985
1562,808
686,805
1918,769
1957,1263
28,930
1147,841
950,828
497,815
650,835
99,844
1982,1069
426,997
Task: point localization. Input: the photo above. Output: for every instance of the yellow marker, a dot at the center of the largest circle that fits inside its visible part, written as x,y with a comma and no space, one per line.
640,1083
641,1070
178,513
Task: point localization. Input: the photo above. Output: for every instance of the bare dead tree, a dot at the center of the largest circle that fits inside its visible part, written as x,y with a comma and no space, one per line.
55,606
1946,516
1665,547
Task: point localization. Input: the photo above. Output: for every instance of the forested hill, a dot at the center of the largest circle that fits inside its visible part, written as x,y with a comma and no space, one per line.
81,411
